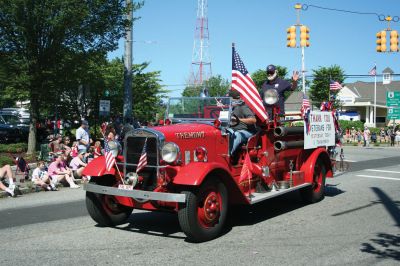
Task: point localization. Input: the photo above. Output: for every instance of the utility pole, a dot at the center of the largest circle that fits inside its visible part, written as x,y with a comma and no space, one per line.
127,111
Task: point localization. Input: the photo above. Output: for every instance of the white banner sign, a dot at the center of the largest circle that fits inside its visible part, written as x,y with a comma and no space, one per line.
319,130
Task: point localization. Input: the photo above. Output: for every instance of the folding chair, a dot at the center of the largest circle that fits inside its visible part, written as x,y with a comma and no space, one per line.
44,154
22,168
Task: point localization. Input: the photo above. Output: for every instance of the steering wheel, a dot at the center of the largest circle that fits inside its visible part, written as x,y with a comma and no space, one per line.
234,120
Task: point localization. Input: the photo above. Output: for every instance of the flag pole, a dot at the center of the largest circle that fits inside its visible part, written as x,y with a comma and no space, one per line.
375,99
115,161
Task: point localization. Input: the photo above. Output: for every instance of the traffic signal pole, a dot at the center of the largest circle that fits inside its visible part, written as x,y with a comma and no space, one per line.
303,70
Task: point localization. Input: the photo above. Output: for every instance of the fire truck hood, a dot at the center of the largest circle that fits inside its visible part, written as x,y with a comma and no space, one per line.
192,131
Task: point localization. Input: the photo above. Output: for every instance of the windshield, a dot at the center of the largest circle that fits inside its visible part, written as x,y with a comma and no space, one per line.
199,109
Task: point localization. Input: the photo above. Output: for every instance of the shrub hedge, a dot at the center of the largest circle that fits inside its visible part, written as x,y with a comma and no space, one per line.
14,147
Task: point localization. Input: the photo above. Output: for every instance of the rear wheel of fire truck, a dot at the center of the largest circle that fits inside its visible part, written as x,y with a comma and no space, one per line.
315,192
203,216
105,210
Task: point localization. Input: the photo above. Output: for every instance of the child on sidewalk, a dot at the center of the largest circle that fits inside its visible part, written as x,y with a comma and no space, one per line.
41,178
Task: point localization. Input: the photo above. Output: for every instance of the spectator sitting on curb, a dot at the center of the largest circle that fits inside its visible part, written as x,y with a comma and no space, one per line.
58,173
77,165
41,178
6,171
64,146
97,149
74,149
55,145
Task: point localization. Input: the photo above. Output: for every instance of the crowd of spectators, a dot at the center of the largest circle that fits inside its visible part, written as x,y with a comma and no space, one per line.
363,137
68,160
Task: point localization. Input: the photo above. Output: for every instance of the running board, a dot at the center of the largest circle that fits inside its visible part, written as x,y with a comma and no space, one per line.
257,197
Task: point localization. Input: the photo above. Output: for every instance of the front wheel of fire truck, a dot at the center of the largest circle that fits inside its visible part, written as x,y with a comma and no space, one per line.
203,216
315,192
104,209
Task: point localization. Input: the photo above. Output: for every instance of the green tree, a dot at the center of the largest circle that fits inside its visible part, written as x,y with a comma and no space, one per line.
146,89
39,38
319,89
216,85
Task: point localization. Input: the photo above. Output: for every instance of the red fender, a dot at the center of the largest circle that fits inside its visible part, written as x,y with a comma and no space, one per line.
194,173
308,165
97,167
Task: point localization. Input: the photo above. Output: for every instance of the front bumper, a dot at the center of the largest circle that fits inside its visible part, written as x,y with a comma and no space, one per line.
135,194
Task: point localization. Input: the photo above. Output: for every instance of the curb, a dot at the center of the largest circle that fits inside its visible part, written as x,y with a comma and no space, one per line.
27,190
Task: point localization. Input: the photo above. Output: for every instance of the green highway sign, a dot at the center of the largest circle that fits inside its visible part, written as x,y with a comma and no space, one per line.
392,99
393,113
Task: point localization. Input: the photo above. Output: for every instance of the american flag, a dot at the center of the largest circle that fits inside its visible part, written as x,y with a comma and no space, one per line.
305,106
242,82
246,170
334,86
110,159
372,72
143,158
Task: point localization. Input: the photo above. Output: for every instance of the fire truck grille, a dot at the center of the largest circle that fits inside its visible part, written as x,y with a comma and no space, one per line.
134,150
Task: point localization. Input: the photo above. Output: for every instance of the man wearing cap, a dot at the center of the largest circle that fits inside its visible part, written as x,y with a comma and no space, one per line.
82,136
244,122
281,85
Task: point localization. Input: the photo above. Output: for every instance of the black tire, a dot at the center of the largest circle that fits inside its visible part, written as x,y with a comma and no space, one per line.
193,215
315,192
104,212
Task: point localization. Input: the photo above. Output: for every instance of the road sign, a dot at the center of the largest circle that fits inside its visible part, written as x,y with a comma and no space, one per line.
104,107
393,113
393,98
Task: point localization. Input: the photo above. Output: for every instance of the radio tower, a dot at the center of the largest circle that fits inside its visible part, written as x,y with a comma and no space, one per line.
201,63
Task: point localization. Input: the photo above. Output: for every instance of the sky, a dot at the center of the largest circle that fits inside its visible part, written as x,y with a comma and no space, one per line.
164,36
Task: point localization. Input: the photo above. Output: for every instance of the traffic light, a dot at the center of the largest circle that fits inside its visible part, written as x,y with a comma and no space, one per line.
394,41
291,37
304,36
381,41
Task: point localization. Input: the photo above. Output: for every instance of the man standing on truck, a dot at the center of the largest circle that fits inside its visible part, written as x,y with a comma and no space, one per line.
243,122
280,85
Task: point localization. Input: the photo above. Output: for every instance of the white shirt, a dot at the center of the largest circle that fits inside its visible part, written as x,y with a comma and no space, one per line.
38,174
82,134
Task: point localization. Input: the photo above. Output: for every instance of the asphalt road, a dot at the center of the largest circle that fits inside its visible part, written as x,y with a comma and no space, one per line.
357,223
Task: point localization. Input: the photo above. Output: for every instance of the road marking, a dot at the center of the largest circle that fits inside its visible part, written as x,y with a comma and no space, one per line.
350,161
379,177
383,171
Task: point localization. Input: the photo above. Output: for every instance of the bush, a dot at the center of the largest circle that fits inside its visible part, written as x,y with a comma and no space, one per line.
6,160
349,124
14,147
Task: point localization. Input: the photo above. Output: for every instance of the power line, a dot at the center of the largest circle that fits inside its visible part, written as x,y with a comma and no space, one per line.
381,17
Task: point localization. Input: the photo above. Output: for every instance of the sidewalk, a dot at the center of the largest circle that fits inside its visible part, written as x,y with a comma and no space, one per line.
26,186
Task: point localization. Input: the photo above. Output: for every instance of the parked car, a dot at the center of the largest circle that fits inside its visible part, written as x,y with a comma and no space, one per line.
9,133
18,117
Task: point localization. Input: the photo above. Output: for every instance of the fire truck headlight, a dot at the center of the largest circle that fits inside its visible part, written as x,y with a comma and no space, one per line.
170,152
113,148
271,96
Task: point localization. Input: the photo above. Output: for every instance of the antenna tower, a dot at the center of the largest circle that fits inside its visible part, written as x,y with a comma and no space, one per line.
201,62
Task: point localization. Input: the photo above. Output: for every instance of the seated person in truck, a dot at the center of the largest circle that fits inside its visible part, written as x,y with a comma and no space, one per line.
243,122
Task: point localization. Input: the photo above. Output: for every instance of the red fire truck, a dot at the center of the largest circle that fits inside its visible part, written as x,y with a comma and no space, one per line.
189,170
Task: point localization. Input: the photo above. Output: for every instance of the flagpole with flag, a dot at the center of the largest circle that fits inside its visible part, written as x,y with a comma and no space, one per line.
244,84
